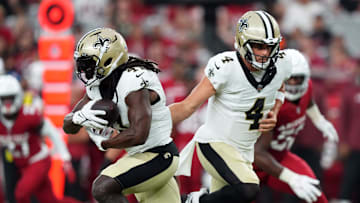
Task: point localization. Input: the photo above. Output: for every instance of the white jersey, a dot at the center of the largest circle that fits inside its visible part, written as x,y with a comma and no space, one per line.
234,111
134,79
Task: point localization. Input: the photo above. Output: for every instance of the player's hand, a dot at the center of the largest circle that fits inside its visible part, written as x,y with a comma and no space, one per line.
303,186
268,123
89,118
328,130
69,171
98,136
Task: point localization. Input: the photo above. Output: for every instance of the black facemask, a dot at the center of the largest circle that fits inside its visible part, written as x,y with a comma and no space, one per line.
87,65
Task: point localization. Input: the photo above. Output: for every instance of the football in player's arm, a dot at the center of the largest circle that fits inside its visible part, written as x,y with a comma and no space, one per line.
289,173
244,89
143,128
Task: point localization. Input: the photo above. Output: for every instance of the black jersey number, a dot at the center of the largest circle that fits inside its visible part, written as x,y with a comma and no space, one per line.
255,113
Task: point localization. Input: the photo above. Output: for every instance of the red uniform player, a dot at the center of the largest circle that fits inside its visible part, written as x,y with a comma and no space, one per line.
21,132
275,165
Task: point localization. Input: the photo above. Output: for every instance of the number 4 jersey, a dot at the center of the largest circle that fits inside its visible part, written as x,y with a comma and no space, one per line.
242,99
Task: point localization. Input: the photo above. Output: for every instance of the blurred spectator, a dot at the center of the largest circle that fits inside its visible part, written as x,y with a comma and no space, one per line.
346,24
26,49
91,14
174,85
5,31
339,57
301,14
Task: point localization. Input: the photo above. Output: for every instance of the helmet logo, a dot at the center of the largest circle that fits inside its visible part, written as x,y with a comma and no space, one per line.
101,42
243,24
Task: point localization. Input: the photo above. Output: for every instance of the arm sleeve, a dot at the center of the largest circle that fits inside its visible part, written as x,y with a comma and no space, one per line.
50,130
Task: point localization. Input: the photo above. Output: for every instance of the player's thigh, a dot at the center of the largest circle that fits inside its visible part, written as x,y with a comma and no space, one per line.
33,177
217,184
165,194
142,172
225,164
45,193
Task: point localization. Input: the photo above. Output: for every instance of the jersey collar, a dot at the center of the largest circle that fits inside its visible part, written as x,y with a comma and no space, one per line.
265,80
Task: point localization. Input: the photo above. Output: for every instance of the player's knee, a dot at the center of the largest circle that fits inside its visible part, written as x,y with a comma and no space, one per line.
98,189
103,186
246,192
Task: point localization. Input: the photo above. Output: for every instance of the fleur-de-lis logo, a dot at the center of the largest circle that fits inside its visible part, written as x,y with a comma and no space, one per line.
211,73
243,24
102,42
144,83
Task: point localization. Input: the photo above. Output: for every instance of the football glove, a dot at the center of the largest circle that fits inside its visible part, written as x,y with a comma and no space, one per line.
98,136
328,130
89,118
303,186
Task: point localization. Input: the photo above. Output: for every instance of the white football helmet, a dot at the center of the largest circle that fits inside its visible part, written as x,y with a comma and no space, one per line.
98,53
257,27
11,95
300,69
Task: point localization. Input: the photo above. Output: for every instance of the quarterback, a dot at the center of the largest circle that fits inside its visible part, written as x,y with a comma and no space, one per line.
244,89
144,125
289,173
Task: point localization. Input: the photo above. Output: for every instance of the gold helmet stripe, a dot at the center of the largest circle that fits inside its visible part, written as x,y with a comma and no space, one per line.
269,31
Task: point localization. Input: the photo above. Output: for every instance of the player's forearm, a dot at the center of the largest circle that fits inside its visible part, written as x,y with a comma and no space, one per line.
68,126
315,115
267,163
277,106
181,111
280,98
125,139
50,130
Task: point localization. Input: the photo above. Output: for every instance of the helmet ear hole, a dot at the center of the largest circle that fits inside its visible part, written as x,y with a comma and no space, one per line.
107,62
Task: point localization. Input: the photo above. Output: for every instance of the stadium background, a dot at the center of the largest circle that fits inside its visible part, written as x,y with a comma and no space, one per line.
181,35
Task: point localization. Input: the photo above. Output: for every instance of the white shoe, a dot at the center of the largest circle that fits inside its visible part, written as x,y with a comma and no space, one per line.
194,197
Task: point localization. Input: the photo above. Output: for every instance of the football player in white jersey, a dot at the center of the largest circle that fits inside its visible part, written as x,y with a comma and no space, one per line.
144,125
244,89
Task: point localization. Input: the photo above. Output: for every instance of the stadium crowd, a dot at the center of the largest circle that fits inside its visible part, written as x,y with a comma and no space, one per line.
181,38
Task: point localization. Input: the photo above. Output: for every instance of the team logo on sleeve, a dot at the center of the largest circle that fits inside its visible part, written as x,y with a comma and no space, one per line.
210,73
144,83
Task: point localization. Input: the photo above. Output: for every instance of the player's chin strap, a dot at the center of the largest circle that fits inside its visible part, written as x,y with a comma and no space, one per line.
269,75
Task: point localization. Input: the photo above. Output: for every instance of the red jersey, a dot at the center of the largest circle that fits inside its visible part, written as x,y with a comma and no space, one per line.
23,138
290,121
